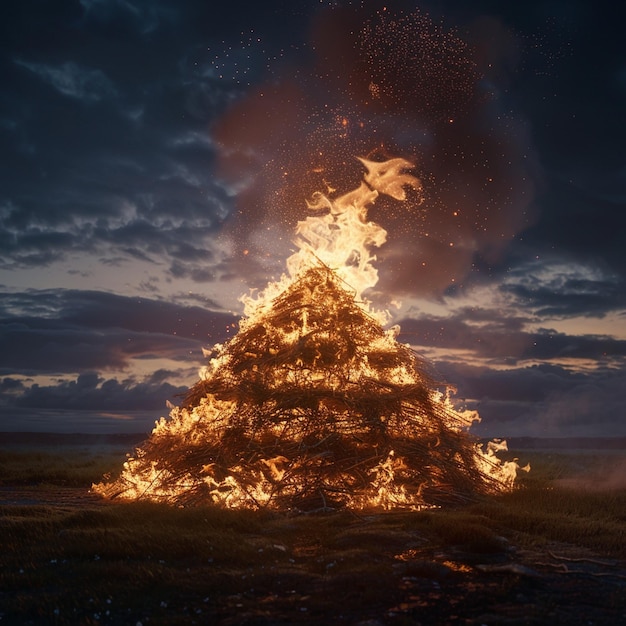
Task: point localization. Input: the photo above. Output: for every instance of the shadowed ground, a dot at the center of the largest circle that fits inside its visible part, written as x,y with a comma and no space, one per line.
542,555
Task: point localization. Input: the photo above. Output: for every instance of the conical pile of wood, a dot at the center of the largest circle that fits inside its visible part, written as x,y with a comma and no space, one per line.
311,405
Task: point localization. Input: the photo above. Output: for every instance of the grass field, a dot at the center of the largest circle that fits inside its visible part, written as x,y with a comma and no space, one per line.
551,552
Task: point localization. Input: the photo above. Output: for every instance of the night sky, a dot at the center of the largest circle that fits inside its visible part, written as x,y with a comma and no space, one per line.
156,156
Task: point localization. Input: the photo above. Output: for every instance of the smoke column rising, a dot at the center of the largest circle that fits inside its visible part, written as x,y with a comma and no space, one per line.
378,86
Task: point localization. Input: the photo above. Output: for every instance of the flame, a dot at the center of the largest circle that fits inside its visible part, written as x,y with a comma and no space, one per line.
313,396
339,235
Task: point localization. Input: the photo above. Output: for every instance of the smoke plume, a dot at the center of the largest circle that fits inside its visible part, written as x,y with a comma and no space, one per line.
378,86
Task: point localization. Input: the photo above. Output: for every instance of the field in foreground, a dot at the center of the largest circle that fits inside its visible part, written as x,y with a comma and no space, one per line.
553,552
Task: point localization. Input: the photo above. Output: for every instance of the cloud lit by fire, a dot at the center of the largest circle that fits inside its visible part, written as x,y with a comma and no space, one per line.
389,85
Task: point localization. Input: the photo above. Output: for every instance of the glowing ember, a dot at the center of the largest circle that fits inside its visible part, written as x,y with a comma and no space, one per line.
313,404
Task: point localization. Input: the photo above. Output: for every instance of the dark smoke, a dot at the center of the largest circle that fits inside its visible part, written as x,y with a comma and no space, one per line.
382,86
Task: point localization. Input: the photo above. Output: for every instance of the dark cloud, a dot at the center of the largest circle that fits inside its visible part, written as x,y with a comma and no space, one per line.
529,385
543,400
503,341
71,331
549,387
580,131
11,385
567,295
84,335
584,222
105,134
91,392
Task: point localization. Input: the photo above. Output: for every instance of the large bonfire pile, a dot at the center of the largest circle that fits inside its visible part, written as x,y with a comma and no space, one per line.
313,404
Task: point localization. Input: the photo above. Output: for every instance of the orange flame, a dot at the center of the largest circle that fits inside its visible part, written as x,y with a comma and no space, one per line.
338,236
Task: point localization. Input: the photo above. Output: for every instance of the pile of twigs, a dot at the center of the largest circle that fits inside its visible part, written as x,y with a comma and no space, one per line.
319,406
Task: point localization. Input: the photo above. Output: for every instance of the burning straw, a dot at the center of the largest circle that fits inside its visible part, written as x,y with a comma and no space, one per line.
313,404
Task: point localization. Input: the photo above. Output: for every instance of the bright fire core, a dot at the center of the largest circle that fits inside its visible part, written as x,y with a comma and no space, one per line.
313,404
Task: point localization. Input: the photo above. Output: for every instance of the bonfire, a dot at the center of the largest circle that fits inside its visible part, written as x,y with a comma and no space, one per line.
314,404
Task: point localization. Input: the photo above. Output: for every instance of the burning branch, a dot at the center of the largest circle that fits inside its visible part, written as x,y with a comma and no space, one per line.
313,404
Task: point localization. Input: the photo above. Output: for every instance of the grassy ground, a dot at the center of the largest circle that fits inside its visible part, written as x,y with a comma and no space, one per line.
545,554
70,466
